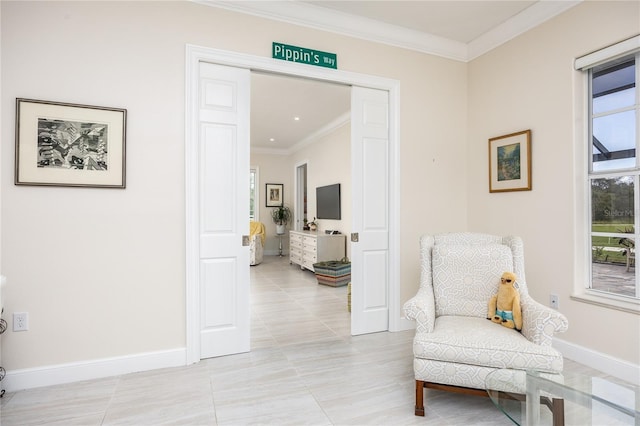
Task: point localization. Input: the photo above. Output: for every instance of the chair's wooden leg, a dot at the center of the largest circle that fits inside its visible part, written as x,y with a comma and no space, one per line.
419,398
558,411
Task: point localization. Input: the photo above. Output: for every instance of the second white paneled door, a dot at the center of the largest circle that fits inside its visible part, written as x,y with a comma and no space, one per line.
224,206
370,210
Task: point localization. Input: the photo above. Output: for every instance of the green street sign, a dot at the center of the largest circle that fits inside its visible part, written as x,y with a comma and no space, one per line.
303,55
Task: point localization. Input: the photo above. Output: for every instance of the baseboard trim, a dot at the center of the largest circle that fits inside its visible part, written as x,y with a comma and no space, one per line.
402,324
107,367
87,370
615,367
285,253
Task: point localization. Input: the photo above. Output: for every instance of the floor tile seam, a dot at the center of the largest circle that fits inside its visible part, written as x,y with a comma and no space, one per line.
111,399
350,419
309,387
282,290
213,397
273,338
306,309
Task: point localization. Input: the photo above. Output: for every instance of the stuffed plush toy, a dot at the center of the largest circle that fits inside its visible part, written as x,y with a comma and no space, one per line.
504,307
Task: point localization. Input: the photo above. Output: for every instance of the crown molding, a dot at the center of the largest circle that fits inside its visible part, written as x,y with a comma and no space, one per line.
325,19
322,132
529,18
308,140
269,151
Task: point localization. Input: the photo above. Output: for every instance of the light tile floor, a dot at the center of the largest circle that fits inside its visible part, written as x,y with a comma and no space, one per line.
304,369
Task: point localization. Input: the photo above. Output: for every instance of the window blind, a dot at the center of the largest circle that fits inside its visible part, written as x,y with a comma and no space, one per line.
625,47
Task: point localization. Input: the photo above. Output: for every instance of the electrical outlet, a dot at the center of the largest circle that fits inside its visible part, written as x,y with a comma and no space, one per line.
20,321
553,301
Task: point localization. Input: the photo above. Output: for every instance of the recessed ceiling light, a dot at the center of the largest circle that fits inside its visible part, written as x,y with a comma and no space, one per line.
296,118
271,140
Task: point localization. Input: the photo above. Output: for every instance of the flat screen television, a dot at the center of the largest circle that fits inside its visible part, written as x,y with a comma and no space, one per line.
328,201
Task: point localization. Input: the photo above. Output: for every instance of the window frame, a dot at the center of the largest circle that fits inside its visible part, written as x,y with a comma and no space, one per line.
584,151
254,170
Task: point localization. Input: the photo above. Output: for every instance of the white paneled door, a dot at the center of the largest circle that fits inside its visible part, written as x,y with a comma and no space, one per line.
223,165
370,209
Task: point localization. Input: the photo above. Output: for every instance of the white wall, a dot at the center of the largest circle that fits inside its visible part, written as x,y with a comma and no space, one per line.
102,272
529,83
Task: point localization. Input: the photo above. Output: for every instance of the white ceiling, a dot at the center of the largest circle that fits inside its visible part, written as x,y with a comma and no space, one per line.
462,21
456,29
275,103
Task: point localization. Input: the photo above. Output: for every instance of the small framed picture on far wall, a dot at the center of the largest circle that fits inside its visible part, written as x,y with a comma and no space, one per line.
274,194
510,162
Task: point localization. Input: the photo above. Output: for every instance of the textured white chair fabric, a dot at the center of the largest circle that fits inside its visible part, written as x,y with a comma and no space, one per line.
455,346
256,251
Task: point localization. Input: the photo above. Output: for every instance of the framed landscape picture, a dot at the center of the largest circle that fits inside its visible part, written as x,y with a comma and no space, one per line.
510,162
62,144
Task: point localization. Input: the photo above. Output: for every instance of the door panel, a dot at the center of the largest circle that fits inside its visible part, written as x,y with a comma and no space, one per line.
217,290
375,297
223,210
370,255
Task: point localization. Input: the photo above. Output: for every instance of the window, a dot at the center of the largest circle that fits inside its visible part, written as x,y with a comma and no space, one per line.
613,173
253,194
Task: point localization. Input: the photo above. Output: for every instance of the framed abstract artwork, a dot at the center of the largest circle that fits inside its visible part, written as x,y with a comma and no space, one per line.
510,162
62,144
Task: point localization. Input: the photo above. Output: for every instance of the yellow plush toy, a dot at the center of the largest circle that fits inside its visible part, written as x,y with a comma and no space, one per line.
504,307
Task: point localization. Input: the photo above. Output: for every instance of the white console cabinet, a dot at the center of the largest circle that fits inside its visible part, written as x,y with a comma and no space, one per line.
308,247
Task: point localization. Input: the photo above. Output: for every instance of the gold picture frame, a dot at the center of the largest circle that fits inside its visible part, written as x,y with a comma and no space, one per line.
63,144
510,162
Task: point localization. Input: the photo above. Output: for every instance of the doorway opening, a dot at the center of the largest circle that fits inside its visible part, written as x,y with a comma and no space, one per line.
300,137
385,115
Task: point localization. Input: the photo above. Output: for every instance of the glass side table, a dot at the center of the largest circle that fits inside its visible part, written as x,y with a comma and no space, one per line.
535,398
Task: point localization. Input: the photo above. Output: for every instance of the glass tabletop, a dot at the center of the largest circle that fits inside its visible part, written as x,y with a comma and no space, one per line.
535,398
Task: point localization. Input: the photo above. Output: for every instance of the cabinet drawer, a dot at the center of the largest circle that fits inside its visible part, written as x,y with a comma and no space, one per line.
295,237
295,258
309,257
295,244
308,265
309,241
310,249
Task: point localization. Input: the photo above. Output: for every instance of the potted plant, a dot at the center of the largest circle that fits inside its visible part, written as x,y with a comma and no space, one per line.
281,216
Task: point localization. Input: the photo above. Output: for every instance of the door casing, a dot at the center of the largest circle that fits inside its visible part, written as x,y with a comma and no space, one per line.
299,188
197,54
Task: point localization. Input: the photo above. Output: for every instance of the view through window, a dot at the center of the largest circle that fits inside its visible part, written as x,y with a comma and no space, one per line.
253,194
613,176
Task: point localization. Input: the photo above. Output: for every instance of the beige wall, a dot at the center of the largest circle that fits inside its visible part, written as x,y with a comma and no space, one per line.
529,83
102,272
272,169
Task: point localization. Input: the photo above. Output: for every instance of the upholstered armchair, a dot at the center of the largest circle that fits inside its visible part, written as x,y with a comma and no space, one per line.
455,347
257,235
